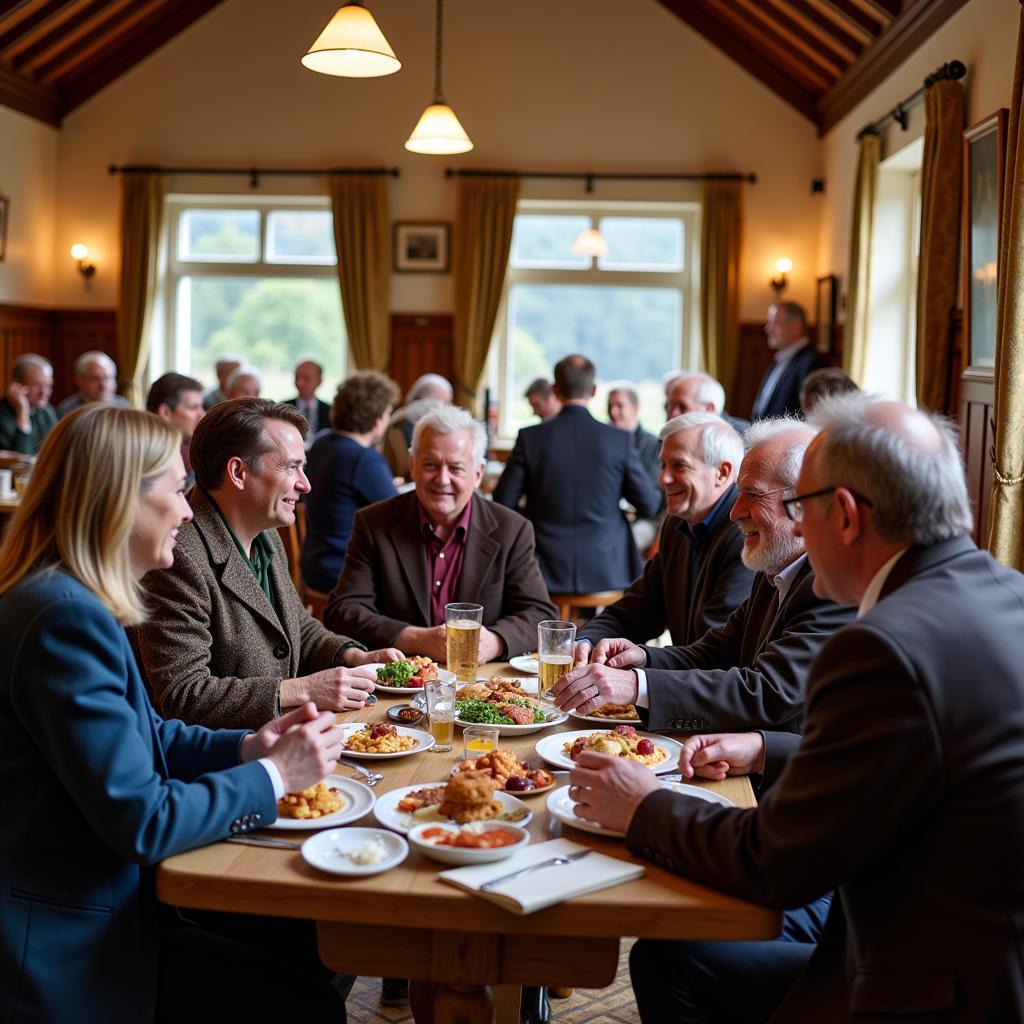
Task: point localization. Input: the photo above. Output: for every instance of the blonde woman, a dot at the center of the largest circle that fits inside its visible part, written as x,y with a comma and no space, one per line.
95,788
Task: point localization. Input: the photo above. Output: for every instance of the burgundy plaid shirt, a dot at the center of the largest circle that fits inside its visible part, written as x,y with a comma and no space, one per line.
444,560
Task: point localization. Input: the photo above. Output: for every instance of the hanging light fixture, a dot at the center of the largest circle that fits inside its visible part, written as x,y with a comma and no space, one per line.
352,46
589,243
438,130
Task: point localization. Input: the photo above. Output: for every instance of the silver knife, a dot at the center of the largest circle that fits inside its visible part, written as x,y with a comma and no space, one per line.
362,769
279,844
534,867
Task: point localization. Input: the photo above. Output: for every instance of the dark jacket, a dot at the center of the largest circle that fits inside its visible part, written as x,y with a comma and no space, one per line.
573,471
676,592
41,420
785,396
906,795
384,585
323,419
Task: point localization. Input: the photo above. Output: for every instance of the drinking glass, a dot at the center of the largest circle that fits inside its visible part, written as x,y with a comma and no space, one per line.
479,739
462,630
555,641
441,710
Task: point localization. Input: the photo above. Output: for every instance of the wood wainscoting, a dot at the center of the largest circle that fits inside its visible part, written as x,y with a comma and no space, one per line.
977,437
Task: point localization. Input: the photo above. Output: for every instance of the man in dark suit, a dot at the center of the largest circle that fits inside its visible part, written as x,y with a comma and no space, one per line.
795,357
411,555
905,794
309,375
697,578
573,471
750,673
624,413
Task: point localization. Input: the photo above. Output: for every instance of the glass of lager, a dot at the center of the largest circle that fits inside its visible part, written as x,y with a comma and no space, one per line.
555,641
441,709
462,625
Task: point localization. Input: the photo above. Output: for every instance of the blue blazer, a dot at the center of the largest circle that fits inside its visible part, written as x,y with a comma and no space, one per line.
95,789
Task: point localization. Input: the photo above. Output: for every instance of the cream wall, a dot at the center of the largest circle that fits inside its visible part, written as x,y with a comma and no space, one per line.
28,176
983,35
570,85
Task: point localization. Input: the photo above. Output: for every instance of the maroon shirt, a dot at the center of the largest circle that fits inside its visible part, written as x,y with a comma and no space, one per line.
444,560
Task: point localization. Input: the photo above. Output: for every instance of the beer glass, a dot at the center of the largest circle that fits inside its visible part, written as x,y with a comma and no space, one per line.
462,625
555,641
441,710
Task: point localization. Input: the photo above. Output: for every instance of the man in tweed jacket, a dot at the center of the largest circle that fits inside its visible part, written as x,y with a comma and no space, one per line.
229,643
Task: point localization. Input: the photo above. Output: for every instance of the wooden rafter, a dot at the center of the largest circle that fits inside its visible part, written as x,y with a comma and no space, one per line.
788,13
60,24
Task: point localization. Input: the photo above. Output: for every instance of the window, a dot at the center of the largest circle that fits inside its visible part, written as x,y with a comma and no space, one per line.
257,278
630,310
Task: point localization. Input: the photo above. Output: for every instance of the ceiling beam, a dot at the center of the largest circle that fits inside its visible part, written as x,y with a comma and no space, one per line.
24,17
850,45
28,97
58,26
851,13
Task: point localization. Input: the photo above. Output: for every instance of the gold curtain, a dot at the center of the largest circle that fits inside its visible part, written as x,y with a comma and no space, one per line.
360,204
858,295
142,207
1006,534
939,259
483,236
721,244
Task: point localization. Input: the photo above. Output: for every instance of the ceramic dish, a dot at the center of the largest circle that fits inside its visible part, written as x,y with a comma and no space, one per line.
386,811
393,714
555,717
356,798
370,672
551,748
466,854
600,720
328,851
424,741
531,666
536,791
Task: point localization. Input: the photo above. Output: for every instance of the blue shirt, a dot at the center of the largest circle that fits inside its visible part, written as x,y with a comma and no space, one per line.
698,535
344,476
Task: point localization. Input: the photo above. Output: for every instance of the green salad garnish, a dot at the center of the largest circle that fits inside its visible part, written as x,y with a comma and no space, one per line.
396,673
484,712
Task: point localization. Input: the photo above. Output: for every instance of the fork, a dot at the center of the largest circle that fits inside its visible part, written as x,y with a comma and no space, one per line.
365,775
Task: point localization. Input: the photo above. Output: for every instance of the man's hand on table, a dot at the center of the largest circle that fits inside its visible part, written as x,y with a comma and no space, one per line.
585,689
609,789
616,652
491,647
333,689
427,640
714,756
353,656
303,744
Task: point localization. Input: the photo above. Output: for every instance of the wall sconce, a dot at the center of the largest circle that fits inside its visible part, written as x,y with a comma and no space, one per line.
783,266
81,253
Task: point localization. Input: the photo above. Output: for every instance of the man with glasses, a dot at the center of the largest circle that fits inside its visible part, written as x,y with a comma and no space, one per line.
749,673
906,793
96,378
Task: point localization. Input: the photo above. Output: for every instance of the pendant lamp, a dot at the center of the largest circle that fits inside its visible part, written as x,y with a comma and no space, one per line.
352,46
589,243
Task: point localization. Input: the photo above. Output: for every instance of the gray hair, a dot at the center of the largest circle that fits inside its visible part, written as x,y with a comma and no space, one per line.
226,358
626,387
430,385
94,357
448,419
718,441
709,391
244,371
788,467
26,362
916,494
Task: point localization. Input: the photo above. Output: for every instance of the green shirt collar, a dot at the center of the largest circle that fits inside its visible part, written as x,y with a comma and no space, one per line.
259,558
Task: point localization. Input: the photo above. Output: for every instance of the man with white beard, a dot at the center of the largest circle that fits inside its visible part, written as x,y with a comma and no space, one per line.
750,672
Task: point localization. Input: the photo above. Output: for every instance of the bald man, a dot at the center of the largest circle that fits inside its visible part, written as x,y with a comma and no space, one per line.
906,792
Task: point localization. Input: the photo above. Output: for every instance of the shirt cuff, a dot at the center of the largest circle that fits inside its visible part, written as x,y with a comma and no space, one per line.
348,645
275,776
641,689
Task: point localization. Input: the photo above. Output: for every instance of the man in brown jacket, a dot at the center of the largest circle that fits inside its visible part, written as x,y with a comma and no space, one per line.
411,554
229,643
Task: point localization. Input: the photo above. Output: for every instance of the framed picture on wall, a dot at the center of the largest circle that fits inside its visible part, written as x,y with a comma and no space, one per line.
824,312
984,156
5,212
421,246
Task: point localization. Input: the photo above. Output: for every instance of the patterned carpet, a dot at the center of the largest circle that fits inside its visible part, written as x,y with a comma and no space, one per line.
612,1005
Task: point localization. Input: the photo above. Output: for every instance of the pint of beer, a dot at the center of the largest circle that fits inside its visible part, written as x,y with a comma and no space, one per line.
555,641
462,626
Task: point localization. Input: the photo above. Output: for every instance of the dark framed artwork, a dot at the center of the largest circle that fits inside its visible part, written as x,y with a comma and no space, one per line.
824,312
5,213
421,246
984,159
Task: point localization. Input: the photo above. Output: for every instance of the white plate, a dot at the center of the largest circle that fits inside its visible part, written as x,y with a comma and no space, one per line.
327,851
561,807
635,722
357,799
550,748
386,811
396,691
524,664
466,854
555,717
424,741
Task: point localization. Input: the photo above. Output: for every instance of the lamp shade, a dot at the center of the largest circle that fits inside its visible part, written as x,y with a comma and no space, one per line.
438,131
589,243
352,46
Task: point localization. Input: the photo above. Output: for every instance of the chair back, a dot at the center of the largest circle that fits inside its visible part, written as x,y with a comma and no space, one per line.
569,603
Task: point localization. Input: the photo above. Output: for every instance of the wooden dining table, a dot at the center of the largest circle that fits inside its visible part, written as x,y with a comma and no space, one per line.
406,922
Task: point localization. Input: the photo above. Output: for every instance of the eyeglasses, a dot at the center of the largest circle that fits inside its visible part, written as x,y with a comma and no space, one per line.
752,497
795,506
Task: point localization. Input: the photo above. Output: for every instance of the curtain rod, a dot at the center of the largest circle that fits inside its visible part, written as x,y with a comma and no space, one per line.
590,178
255,173
952,71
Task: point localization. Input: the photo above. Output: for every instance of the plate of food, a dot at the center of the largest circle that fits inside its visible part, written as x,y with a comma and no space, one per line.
479,842
399,678
611,714
507,705
527,663
376,741
334,801
659,753
512,774
560,806
355,851
460,800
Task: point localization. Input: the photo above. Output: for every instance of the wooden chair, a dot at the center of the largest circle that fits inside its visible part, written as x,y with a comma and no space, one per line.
568,603
292,547
315,601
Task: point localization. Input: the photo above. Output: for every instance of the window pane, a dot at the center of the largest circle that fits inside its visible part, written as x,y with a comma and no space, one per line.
629,333
642,243
539,240
219,235
270,321
300,236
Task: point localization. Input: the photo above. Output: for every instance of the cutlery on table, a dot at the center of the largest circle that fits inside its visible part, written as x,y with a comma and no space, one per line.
370,778
277,844
568,859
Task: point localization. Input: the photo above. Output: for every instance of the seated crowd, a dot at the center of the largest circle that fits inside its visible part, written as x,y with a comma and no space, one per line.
832,632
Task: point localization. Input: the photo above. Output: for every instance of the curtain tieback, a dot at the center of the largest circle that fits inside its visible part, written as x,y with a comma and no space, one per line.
1003,481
